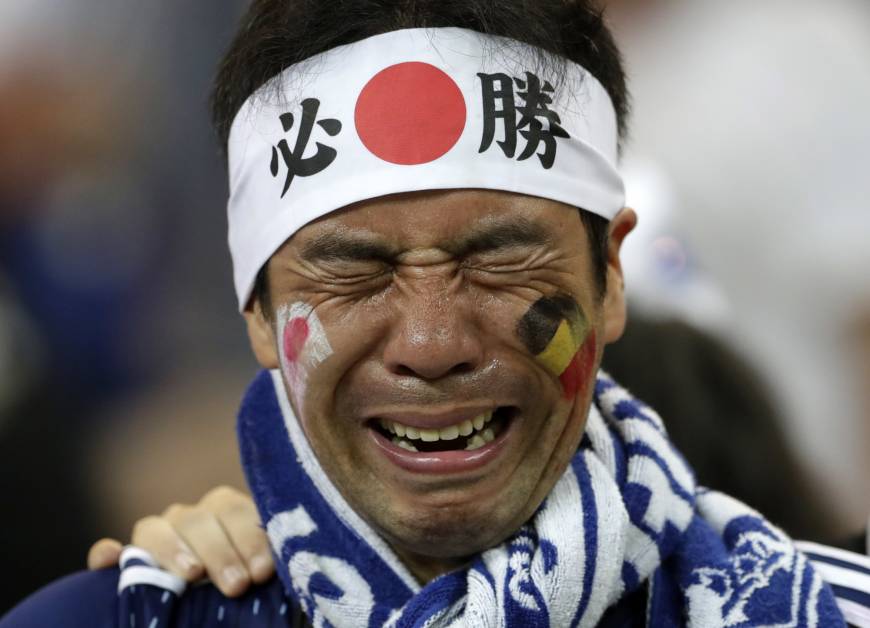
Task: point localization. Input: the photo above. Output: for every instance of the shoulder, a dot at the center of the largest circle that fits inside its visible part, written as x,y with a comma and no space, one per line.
147,593
142,595
263,606
848,575
87,599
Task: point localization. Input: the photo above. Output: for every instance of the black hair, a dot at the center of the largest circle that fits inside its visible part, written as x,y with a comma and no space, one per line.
275,34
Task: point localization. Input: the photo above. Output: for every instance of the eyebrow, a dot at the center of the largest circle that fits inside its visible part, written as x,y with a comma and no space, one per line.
493,235
332,247
500,233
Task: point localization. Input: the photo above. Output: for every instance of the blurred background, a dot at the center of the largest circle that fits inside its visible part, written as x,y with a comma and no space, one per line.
122,357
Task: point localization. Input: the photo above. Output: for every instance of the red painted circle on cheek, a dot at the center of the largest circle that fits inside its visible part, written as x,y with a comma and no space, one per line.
295,335
410,113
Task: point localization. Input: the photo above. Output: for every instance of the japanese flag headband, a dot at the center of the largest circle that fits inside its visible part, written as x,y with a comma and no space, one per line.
416,109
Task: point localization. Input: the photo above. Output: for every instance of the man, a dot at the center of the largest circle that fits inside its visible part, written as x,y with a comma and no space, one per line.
425,223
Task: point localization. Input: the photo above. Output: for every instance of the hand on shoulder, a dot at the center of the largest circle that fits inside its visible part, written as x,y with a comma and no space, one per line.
219,537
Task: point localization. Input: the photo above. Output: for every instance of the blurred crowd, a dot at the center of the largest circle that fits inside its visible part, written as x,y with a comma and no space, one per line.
122,357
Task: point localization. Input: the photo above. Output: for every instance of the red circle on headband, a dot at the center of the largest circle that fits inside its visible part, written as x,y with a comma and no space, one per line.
410,113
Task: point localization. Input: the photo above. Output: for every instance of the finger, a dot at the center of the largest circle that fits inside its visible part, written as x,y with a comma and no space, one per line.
238,515
242,525
104,553
204,534
157,537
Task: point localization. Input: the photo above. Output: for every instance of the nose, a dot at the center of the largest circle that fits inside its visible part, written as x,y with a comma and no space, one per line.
434,338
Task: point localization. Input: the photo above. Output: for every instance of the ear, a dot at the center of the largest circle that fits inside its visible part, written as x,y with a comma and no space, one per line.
261,334
615,313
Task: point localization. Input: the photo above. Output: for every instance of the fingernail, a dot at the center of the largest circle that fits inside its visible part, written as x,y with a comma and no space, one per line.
233,577
187,563
261,564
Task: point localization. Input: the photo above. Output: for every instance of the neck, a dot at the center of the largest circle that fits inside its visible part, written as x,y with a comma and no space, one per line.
427,568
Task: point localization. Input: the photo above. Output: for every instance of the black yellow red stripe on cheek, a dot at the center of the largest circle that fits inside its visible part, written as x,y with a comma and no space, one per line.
556,331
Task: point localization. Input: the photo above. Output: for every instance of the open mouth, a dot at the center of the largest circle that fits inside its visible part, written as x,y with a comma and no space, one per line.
467,435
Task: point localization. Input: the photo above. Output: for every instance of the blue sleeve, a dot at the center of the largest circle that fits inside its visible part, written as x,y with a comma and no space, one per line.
150,598
88,599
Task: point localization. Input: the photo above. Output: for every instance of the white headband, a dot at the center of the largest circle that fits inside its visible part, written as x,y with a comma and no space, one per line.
416,109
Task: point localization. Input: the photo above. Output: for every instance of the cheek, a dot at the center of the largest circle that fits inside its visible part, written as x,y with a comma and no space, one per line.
577,375
557,333
304,346
295,335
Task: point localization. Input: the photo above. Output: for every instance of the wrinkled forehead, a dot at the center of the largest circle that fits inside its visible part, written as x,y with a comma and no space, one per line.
441,218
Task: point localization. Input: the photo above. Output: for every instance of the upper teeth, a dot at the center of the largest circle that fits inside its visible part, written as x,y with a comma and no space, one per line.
451,432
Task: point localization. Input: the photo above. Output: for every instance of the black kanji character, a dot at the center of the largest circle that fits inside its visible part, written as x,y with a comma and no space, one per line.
293,160
507,113
536,101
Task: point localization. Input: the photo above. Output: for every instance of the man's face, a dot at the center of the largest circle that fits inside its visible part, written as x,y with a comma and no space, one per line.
440,350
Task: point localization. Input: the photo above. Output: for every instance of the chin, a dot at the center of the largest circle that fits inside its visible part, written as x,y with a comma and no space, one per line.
447,543
450,531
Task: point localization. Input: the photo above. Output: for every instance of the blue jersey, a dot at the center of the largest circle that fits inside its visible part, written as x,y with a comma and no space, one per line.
849,576
92,600
139,595
142,596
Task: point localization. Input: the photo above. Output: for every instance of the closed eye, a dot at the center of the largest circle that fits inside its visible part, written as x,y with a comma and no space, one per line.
511,260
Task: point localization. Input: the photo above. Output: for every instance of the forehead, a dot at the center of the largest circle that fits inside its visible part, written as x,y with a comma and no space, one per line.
441,217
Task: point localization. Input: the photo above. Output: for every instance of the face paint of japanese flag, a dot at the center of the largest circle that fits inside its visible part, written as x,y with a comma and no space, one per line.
303,347
408,110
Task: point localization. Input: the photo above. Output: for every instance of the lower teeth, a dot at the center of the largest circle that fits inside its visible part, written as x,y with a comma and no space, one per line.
476,441
404,443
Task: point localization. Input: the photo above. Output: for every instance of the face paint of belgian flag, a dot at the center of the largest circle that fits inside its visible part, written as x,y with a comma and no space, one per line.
556,331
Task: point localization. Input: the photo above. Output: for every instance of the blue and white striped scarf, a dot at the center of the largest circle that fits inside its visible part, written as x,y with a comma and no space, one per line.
625,514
